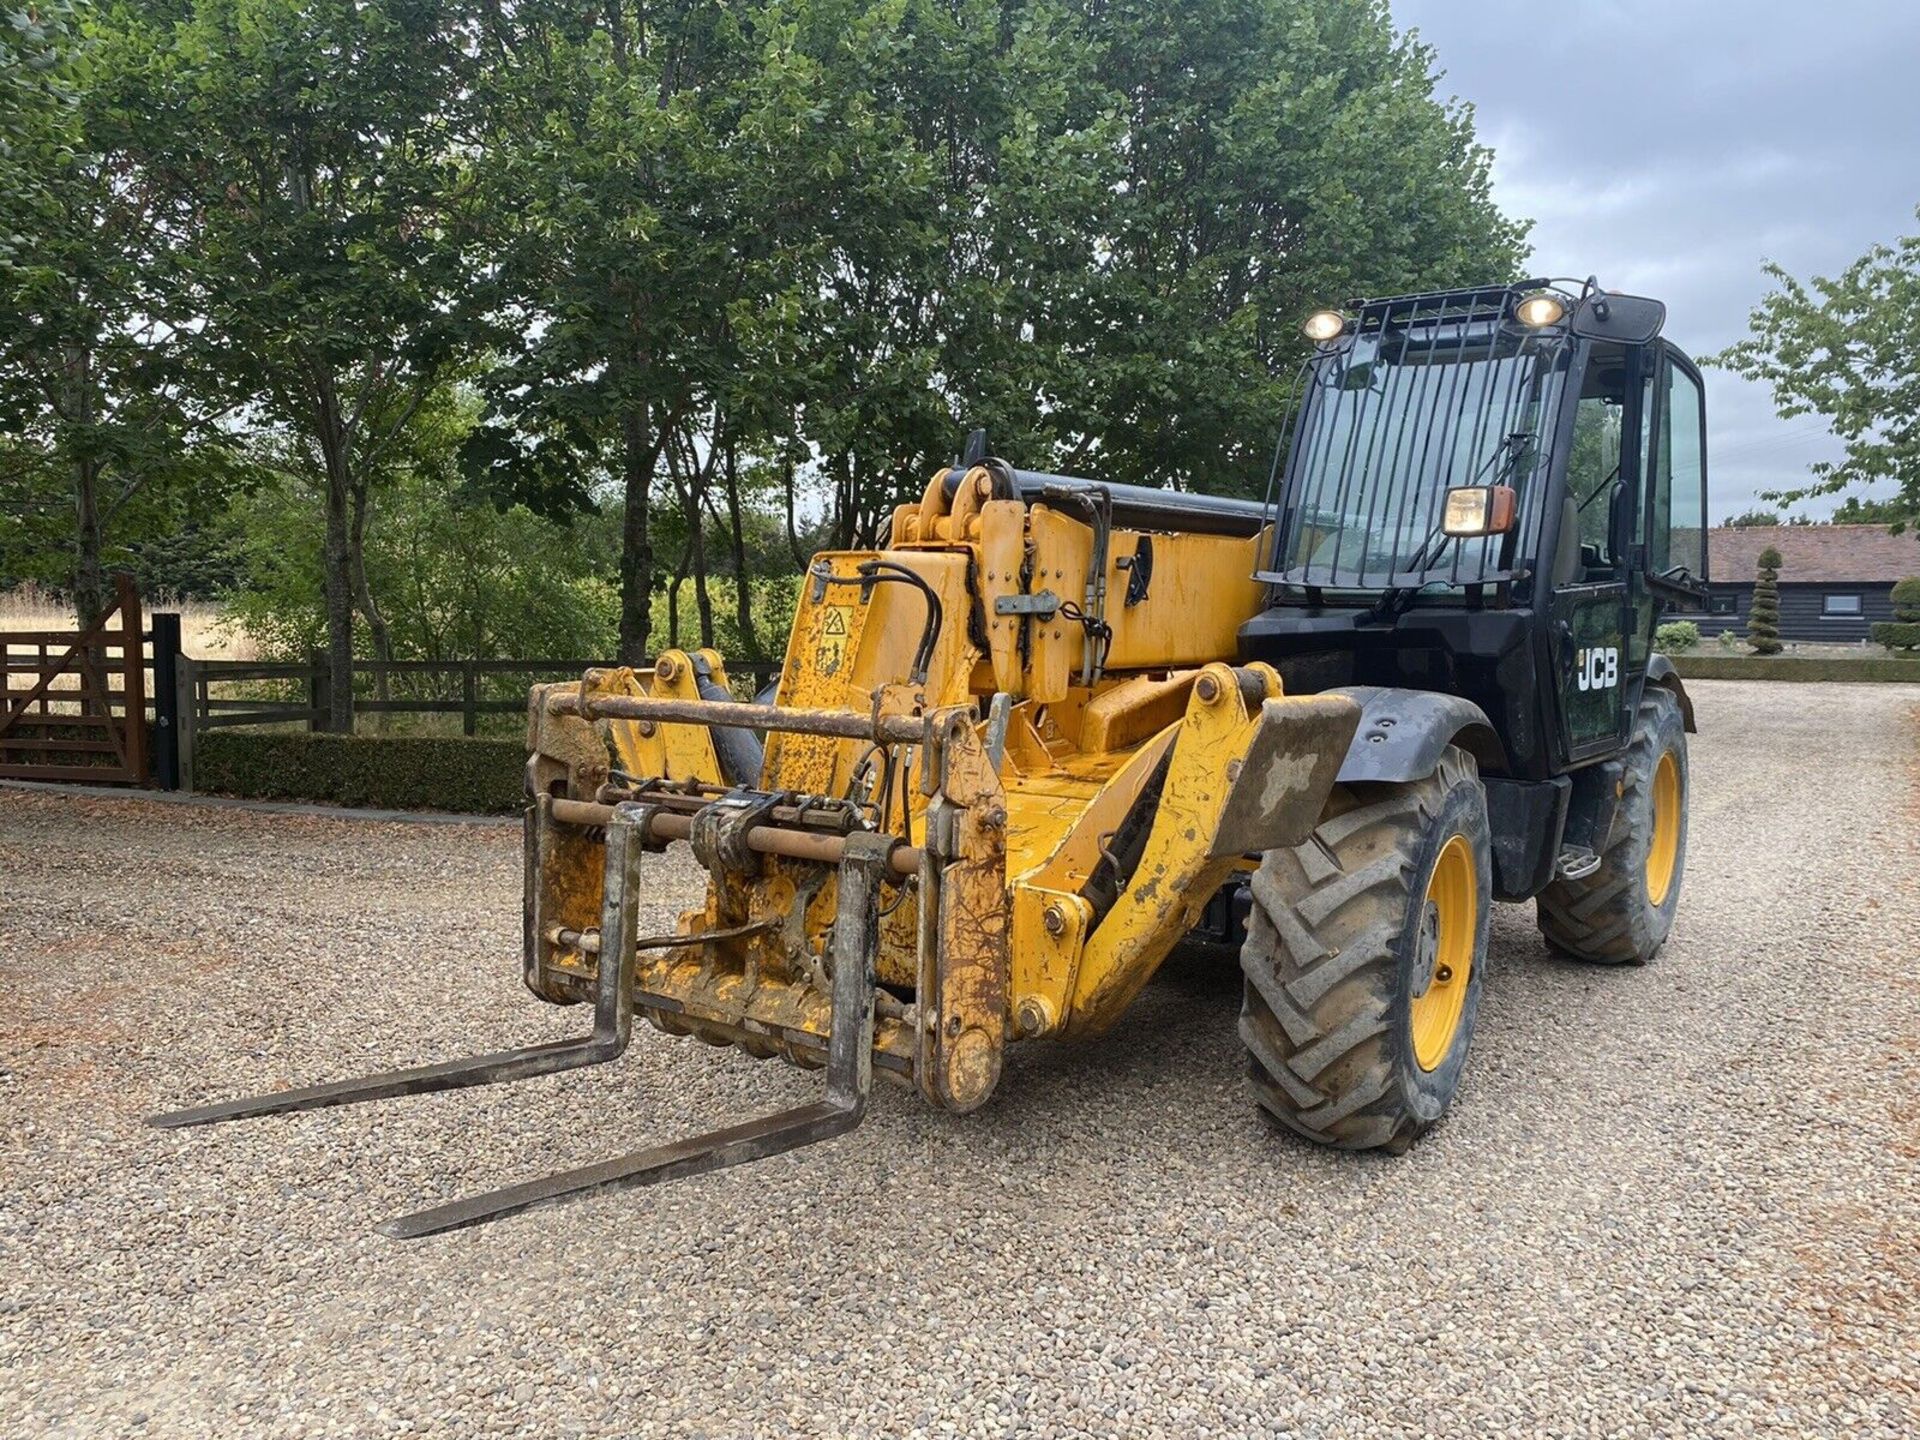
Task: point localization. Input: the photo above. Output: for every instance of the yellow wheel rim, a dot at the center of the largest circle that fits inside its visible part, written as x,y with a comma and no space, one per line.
1665,849
1446,942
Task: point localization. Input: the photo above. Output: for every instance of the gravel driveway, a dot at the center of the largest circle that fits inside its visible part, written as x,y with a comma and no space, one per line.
1678,1200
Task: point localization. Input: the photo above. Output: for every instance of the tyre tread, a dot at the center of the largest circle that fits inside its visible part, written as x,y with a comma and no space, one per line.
1599,918
1321,965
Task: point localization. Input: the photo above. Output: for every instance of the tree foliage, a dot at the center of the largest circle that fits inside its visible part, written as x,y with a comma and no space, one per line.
316,147
717,283
1846,348
458,579
1895,513
111,406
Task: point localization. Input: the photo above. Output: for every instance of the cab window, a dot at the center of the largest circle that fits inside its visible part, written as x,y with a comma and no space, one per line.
1594,462
1677,542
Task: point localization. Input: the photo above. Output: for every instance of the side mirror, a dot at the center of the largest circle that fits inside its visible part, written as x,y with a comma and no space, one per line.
1629,319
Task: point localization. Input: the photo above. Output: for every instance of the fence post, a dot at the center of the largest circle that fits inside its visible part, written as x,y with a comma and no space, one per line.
166,699
469,698
186,710
133,678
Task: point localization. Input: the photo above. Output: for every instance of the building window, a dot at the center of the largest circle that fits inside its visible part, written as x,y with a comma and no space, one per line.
1723,603
1841,607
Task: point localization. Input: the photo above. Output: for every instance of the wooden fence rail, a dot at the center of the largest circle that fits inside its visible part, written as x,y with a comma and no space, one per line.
299,692
91,724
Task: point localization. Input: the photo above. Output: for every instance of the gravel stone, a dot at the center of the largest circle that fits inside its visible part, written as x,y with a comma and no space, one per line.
1678,1200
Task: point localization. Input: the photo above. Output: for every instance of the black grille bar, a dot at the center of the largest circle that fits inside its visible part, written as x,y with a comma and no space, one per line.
1424,392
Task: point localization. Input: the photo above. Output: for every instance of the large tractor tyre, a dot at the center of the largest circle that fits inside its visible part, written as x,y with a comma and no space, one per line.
1365,952
1620,914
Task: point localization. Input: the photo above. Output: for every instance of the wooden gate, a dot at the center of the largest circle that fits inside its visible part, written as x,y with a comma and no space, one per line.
62,717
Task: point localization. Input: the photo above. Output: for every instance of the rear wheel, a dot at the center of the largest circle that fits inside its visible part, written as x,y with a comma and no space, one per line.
1621,913
1365,952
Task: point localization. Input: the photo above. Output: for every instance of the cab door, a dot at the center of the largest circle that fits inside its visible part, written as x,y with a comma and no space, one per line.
1673,524
1591,605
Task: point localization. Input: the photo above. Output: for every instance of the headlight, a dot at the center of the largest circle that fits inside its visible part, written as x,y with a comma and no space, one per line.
1540,310
1324,325
1479,510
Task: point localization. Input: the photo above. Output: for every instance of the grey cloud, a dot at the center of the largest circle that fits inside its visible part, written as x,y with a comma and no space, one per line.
1672,147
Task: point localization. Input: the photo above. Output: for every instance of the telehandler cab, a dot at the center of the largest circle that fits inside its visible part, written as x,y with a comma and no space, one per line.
1056,725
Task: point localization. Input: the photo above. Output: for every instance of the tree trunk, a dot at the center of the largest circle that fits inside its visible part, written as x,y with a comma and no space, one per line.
89,572
793,534
673,595
742,590
363,592
843,501
689,478
330,430
702,595
339,593
638,452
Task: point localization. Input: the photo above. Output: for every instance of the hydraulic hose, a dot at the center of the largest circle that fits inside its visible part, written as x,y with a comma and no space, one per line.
739,752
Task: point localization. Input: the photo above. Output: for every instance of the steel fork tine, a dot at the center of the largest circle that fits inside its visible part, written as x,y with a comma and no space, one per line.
717,1150
612,1016
849,1082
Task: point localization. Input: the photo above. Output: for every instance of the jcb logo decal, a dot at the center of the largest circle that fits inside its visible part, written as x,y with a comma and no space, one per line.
1597,669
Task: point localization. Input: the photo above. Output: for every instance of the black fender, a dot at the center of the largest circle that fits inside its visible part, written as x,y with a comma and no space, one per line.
1661,672
1403,732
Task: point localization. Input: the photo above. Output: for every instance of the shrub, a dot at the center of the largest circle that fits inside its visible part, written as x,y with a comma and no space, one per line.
1763,618
387,772
1729,640
1676,637
1903,631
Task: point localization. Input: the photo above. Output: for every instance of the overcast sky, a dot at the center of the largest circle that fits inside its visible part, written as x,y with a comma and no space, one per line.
1670,147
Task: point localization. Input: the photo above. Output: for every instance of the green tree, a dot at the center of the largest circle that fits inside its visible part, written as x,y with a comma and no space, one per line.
1750,519
1136,205
669,169
112,408
316,147
1896,514
1846,348
457,576
948,297
1763,616
1277,157
817,238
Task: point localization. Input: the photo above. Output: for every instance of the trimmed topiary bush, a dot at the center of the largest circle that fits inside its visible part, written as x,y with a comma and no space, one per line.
1903,631
1676,637
383,772
1763,619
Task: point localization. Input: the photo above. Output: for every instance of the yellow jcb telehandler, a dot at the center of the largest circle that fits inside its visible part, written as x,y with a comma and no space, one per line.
1055,725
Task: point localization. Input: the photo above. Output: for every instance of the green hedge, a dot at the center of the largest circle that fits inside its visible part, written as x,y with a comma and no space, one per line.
384,772
1788,667
1896,634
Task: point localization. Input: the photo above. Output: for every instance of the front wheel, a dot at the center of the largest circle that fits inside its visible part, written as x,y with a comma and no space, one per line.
1365,952
1621,913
